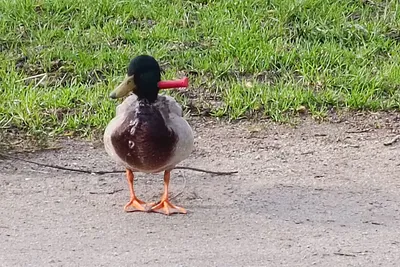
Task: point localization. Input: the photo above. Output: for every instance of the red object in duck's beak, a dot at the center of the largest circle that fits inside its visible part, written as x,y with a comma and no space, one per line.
184,82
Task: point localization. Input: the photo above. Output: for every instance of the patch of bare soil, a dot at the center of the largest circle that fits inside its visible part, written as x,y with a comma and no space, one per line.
312,195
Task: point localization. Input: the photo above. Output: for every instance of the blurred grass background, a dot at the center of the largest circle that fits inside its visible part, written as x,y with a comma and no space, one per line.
245,59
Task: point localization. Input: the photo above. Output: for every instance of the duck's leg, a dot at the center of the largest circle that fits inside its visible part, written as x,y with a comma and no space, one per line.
164,206
134,203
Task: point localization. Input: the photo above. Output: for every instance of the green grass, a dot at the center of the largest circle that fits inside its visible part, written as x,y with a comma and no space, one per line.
244,58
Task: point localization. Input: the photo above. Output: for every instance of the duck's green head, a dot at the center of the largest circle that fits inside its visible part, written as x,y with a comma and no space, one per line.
142,79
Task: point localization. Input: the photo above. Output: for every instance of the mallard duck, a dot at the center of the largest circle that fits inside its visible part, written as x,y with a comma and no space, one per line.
148,133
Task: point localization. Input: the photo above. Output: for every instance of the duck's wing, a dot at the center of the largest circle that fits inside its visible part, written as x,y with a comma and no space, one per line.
168,107
173,116
165,103
130,103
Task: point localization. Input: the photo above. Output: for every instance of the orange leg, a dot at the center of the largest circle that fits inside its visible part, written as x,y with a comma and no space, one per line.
134,202
164,206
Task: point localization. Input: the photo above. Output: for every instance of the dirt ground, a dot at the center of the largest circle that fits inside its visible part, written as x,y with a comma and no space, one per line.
315,195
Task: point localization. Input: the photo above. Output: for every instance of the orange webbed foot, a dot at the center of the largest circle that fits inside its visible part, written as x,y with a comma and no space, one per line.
167,208
135,204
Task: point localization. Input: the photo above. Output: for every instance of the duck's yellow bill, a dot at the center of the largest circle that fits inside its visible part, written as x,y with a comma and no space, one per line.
126,86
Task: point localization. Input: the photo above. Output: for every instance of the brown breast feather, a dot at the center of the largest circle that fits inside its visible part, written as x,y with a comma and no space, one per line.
143,140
